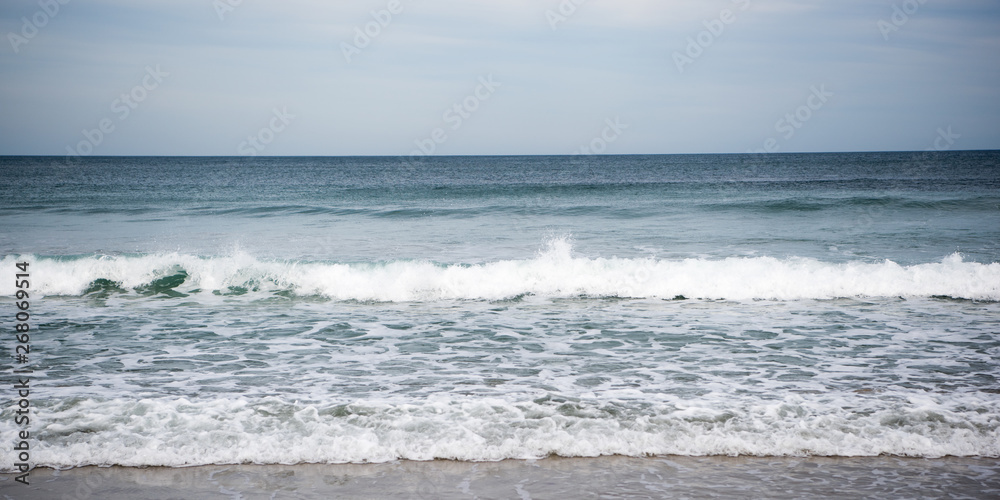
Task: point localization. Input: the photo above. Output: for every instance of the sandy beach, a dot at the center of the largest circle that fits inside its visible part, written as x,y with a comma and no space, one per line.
604,477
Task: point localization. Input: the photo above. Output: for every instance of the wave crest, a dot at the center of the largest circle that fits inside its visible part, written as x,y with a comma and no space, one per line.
554,272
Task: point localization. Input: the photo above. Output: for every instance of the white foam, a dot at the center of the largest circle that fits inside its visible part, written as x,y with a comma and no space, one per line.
181,432
554,272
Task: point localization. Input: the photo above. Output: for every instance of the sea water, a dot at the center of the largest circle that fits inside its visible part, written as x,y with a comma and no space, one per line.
191,311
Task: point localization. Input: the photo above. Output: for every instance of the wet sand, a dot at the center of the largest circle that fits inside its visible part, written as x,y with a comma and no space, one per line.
604,477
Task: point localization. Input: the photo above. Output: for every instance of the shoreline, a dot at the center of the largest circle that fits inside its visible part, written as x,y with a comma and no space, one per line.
554,477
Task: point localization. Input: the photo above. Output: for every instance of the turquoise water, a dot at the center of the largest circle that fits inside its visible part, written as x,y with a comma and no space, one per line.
287,310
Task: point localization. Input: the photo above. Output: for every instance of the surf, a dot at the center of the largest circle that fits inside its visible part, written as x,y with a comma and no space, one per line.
554,272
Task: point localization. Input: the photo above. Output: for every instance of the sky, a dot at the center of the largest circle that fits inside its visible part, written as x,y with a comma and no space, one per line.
476,77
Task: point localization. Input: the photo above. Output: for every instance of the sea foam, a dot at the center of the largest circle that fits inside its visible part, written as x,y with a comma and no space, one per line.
554,272
182,432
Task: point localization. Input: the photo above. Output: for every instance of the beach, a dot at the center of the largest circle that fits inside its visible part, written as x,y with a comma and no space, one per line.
602,477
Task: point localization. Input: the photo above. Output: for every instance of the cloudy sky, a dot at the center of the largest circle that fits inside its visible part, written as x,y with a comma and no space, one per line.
301,77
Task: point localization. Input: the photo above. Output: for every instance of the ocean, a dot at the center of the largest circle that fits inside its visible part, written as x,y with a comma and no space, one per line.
197,311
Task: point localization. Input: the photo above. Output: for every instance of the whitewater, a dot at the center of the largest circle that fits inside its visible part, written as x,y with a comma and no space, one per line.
554,272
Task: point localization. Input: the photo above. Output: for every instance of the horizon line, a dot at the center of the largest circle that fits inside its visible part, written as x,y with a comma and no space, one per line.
426,157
